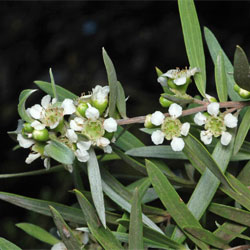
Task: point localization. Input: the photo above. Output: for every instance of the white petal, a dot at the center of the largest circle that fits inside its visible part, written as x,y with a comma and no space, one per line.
54,100
110,125
210,98
54,125
31,157
177,144
102,142
83,145
200,119
225,138
157,118
68,107
59,246
206,137
230,120
46,101
82,155
92,113
47,163
77,124
23,142
171,73
37,125
162,80
185,128
36,111
180,80
175,110
107,149
193,71
157,137
213,108
71,135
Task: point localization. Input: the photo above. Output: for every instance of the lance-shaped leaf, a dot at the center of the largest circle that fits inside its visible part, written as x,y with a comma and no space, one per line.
38,233
121,100
112,80
53,85
241,69
7,245
66,234
244,174
60,152
62,93
179,99
21,105
103,236
242,131
193,41
95,182
214,49
220,77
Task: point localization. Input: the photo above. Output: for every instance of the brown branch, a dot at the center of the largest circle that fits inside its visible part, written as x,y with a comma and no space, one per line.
242,247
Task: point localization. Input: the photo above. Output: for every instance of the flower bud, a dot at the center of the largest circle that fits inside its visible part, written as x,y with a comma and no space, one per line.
41,135
242,92
27,128
148,123
101,106
81,108
165,103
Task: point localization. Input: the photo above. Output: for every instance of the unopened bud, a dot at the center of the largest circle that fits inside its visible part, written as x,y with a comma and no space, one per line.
165,103
81,108
148,123
41,135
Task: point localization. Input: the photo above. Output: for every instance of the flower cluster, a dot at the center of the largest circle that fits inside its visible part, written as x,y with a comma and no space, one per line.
84,127
216,124
170,128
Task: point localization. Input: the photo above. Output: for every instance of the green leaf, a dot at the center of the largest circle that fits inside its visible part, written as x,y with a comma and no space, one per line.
244,174
121,100
214,49
221,77
112,80
38,233
21,105
182,100
7,245
66,234
135,224
60,152
193,41
53,85
242,131
103,236
241,69
95,182
62,93
207,237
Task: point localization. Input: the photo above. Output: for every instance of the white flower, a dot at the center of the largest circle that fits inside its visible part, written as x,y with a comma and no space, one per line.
157,137
157,118
76,124
162,80
102,142
68,107
230,120
37,125
213,108
110,125
107,149
82,153
206,137
92,113
200,119
71,135
175,110
100,94
185,128
225,138
31,157
23,142
59,246
177,144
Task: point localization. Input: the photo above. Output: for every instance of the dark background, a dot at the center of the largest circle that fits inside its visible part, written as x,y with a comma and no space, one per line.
69,36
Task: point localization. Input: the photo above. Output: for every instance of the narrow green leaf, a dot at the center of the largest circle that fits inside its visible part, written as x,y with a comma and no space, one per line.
135,224
193,41
103,236
121,228
62,93
242,131
241,69
38,233
121,100
179,99
21,105
220,77
66,234
207,236
112,80
7,245
215,48
53,85
95,182
244,174
60,152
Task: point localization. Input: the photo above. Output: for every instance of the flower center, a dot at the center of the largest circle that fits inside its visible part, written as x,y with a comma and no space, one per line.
93,129
215,125
52,115
171,128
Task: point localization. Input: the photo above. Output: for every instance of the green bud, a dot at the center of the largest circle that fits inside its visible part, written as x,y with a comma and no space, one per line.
236,88
165,103
100,106
81,108
27,128
41,135
148,123
242,92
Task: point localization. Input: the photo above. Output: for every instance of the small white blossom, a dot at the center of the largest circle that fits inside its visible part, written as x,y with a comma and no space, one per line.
23,142
31,157
81,152
107,149
157,118
68,107
175,110
110,125
213,108
71,135
92,113
200,119
206,137
157,137
177,144
185,128
162,80
76,124
230,120
37,125
225,138
59,246
100,94
102,142
36,111
83,145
